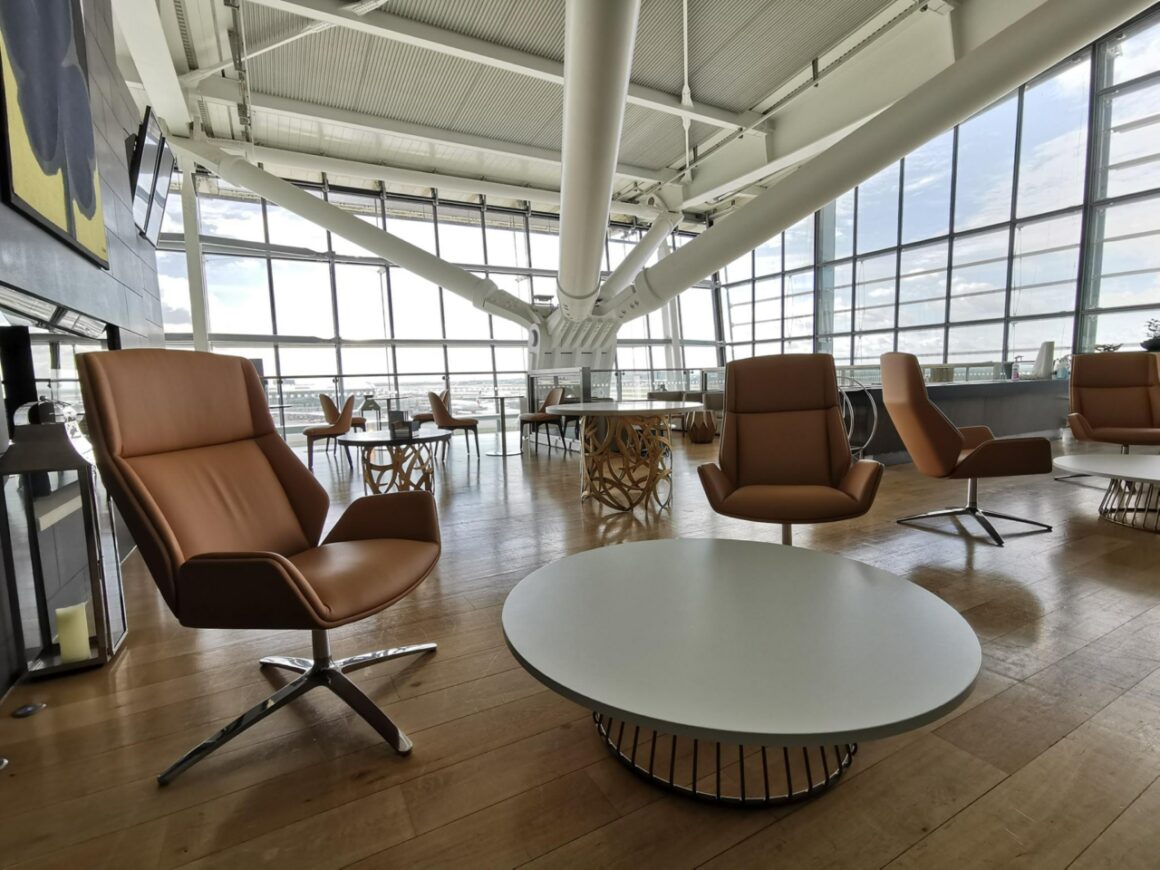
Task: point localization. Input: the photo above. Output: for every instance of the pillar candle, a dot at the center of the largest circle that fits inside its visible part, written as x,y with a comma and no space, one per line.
72,629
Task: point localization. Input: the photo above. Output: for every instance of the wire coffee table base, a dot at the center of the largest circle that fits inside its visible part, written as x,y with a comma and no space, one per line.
725,773
411,467
1131,503
626,461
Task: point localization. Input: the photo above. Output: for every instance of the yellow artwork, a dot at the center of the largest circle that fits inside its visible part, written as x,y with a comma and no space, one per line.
47,147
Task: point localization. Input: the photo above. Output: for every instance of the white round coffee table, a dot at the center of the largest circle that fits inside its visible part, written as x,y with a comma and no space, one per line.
739,671
1132,498
626,448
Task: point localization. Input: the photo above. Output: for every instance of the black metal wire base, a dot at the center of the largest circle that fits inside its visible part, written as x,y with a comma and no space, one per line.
757,776
1133,504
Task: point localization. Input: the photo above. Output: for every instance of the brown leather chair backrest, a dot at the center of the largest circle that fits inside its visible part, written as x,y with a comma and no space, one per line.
553,398
439,410
1116,389
329,409
346,414
186,447
933,442
783,422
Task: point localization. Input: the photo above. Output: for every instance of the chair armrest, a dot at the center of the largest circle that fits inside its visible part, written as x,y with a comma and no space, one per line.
1006,457
245,590
1080,427
407,515
973,436
717,486
861,482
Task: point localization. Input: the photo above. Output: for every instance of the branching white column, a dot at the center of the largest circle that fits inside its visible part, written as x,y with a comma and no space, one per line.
194,263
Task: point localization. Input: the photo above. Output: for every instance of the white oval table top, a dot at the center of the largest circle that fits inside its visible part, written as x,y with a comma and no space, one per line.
1133,466
742,641
623,409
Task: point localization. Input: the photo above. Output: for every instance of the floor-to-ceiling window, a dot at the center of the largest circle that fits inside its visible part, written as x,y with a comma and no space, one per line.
324,315
1036,220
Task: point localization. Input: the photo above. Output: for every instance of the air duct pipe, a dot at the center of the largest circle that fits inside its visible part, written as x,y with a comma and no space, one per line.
598,42
1040,39
482,293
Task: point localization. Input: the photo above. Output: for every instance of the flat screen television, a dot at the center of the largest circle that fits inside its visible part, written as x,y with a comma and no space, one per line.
143,168
160,193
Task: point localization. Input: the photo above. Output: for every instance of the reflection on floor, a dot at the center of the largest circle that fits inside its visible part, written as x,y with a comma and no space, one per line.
1055,757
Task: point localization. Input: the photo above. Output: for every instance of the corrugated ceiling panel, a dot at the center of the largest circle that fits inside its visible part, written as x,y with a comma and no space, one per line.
536,27
265,25
740,50
773,46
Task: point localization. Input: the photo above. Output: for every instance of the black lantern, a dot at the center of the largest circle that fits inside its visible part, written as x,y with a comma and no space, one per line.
66,560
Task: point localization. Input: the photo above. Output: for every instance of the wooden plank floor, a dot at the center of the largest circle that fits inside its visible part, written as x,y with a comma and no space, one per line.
1052,762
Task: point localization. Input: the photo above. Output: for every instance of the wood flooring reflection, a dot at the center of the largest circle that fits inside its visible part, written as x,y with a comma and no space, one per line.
1053,761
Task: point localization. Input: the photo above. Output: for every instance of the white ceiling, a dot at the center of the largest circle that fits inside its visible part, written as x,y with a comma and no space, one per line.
432,105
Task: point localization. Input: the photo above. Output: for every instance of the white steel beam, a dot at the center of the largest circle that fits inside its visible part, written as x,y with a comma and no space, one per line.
481,292
599,36
140,24
413,177
227,91
387,26
1034,43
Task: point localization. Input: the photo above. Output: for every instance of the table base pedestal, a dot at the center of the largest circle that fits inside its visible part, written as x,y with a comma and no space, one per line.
722,772
411,467
1133,504
626,461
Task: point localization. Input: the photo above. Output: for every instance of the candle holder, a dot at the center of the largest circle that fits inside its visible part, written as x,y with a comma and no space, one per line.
369,404
63,536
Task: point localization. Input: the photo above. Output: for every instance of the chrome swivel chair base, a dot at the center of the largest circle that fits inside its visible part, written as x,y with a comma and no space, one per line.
322,670
982,517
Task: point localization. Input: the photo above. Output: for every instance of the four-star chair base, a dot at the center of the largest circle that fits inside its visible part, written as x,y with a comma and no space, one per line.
981,516
322,670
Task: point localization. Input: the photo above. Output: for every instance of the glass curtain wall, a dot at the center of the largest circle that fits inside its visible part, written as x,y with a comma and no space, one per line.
1035,220
323,315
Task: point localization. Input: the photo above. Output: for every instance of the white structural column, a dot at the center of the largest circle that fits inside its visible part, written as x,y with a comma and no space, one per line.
194,264
635,260
482,293
598,41
1032,44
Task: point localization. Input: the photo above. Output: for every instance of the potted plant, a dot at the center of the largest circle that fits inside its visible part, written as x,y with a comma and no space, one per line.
1152,342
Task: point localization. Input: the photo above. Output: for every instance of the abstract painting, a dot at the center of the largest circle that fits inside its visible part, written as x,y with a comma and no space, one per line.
47,146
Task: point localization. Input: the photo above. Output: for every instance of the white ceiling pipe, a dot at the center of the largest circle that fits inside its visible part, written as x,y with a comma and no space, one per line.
598,42
411,177
634,261
482,293
1034,43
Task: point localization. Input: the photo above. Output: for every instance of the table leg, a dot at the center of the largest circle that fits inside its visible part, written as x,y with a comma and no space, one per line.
503,448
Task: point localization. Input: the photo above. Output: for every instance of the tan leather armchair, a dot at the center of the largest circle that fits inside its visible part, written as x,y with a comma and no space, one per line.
784,455
330,431
939,448
229,521
426,416
535,419
446,422
1115,398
